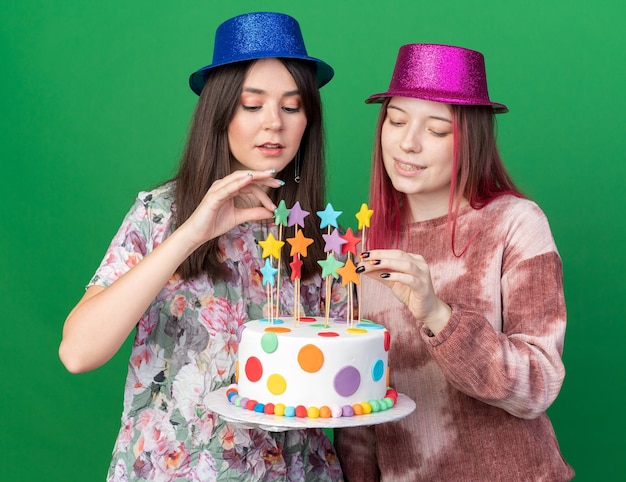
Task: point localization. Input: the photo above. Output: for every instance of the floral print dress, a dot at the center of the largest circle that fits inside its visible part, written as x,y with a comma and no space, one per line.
185,346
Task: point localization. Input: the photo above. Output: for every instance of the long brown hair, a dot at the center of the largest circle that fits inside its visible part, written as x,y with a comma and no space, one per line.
478,174
207,158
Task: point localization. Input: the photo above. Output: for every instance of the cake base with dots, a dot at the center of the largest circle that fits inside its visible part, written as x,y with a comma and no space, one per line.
312,369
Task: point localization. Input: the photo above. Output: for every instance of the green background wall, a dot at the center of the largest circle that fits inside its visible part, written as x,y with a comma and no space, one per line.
94,106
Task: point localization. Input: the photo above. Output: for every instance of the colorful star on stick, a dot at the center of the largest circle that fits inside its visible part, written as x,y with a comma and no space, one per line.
334,241
296,266
330,266
268,272
297,215
281,213
299,244
329,216
348,273
351,242
364,216
271,246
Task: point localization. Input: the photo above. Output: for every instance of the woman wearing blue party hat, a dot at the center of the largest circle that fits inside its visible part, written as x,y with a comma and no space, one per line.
182,271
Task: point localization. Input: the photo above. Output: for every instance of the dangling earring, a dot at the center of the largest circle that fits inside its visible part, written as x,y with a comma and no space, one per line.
296,167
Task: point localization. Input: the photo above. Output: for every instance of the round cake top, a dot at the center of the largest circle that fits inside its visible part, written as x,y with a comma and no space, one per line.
309,327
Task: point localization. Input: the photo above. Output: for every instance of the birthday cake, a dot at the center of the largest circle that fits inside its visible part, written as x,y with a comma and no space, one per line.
312,368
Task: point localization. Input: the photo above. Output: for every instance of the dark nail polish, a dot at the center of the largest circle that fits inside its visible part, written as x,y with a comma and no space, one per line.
360,269
365,254
385,275
375,261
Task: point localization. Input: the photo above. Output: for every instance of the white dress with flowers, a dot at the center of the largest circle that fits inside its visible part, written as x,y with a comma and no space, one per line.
185,346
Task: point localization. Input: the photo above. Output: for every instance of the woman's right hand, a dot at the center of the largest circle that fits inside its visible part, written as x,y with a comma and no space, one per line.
235,199
104,317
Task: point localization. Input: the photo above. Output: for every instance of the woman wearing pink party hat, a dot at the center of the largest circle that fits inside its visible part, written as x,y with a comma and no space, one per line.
474,298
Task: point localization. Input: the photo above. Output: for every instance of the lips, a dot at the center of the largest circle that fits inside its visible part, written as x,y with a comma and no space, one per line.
405,167
271,149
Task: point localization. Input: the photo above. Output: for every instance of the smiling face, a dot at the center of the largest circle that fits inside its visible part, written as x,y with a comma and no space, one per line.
269,122
417,150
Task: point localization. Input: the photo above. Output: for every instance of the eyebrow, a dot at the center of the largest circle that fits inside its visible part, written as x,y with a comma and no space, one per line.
253,90
436,117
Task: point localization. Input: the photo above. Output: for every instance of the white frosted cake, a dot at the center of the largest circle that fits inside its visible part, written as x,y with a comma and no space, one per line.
307,369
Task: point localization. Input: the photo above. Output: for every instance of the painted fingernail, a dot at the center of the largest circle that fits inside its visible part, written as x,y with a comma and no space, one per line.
281,182
271,171
360,269
365,254
385,275
375,261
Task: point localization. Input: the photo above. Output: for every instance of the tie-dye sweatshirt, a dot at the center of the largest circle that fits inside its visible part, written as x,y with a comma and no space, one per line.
483,384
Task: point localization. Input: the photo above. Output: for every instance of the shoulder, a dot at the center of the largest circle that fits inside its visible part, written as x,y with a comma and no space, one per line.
510,211
156,204
513,204
521,222
159,196
152,212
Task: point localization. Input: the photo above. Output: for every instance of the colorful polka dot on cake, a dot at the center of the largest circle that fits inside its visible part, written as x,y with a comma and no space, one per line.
310,358
313,412
276,384
254,369
325,412
269,342
336,411
378,370
347,381
367,408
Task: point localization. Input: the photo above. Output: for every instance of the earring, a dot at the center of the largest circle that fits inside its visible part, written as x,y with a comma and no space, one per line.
296,160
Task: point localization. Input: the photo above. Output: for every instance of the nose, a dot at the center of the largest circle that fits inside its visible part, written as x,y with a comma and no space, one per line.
272,119
410,142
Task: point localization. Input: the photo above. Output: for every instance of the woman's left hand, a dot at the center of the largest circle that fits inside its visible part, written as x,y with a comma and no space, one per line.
408,276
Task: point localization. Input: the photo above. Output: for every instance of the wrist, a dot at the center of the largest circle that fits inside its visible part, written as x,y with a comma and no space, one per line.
439,317
182,242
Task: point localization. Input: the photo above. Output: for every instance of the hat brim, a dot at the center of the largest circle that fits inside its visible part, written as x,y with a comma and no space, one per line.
323,72
379,98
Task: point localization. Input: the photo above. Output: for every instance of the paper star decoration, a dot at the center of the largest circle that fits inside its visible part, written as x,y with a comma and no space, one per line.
268,272
296,266
364,216
333,242
351,242
299,244
330,266
348,273
328,216
281,213
297,215
271,246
